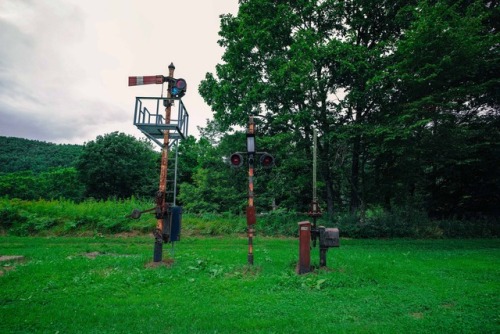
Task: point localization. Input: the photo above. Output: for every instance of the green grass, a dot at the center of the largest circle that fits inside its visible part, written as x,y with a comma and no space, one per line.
370,286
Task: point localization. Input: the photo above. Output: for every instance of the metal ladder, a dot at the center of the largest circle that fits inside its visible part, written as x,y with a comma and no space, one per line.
171,190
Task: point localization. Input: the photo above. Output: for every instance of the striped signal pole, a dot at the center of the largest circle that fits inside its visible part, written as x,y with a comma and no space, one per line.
251,220
266,161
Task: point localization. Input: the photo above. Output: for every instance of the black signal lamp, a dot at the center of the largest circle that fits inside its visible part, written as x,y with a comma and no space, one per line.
178,88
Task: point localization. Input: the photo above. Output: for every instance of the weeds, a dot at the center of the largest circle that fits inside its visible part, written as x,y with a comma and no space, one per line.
63,217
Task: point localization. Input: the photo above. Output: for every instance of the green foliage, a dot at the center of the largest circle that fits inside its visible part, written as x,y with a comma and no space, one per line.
18,154
280,223
33,170
210,184
52,184
209,224
118,165
62,217
410,223
10,216
404,95
215,187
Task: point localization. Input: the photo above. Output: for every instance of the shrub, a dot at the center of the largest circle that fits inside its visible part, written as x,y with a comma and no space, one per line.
9,217
280,223
24,218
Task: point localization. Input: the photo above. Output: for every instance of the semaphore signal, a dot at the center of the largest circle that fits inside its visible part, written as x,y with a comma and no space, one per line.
165,131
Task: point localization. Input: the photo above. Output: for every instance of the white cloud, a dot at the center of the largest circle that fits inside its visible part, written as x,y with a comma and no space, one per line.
64,64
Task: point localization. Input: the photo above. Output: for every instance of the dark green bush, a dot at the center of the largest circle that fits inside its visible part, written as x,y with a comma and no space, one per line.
455,228
10,216
409,223
280,223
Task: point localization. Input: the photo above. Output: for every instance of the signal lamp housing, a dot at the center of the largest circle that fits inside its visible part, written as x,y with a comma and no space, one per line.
266,160
178,88
236,160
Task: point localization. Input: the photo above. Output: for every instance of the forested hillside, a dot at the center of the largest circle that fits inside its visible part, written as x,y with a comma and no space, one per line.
115,165
18,154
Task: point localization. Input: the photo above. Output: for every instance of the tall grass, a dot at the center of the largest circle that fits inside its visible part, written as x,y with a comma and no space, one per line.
64,217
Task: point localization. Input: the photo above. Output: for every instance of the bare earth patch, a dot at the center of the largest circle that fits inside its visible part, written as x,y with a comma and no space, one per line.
417,315
8,258
164,263
5,258
130,234
93,255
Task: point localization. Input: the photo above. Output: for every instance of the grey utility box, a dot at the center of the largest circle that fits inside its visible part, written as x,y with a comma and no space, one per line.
328,237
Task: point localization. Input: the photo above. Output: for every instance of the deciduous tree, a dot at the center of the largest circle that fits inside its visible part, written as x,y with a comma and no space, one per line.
118,165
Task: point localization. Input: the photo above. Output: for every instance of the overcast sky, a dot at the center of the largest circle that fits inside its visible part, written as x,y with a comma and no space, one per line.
64,64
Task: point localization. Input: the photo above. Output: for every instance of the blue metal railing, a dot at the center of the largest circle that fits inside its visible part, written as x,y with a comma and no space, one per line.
153,124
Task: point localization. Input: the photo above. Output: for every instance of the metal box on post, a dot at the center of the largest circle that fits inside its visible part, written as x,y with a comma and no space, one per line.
175,231
172,224
328,237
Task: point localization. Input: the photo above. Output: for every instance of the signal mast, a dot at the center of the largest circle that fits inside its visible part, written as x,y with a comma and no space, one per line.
236,161
166,132
328,237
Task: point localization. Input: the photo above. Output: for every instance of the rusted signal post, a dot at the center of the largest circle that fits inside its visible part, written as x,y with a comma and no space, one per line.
328,237
250,208
266,161
160,196
166,132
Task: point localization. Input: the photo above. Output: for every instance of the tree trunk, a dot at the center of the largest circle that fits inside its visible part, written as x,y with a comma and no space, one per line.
329,195
354,200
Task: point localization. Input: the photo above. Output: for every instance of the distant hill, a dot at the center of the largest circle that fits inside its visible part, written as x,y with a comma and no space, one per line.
19,154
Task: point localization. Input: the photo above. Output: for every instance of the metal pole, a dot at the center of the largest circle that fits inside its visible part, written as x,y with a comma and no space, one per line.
250,208
315,136
314,211
174,203
158,247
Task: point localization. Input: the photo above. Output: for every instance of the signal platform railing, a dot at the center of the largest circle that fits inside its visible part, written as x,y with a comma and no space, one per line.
149,117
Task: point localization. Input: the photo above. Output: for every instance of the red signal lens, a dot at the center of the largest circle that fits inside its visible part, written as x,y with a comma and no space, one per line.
267,160
181,84
236,160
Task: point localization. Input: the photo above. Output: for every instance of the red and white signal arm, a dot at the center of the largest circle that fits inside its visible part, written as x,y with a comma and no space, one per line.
145,80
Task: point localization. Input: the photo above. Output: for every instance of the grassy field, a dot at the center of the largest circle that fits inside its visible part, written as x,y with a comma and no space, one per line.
105,285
